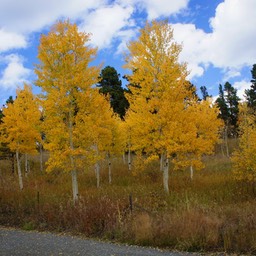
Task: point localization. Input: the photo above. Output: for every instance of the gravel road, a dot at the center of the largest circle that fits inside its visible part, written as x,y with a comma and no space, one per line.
18,242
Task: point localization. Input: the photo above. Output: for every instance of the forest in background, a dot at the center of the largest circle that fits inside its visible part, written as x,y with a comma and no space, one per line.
152,164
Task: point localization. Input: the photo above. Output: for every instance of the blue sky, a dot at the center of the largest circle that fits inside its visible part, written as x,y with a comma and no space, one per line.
218,36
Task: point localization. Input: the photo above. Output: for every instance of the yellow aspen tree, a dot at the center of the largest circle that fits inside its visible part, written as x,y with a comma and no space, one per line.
115,147
244,158
158,95
65,75
96,127
20,125
160,98
125,139
201,127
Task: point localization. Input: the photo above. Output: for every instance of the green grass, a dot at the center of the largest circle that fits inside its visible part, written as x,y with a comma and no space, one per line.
211,213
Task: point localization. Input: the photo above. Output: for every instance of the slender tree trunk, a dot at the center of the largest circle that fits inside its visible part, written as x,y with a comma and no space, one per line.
41,157
109,170
26,164
166,175
226,140
97,167
72,162
19,170
129,158
74,185
221,147
97,170
191,172
124,160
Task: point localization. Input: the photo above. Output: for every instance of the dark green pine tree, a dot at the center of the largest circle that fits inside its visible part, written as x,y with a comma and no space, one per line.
250,94
204,92
221,103
232,102
9,100
110,84
228,103
1,115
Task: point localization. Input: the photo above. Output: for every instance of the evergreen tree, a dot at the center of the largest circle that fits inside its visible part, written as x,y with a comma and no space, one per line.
250,94
204,92
232,101
111,85
222,105
9,100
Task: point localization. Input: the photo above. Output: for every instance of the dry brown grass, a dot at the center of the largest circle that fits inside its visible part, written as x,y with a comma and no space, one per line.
210,213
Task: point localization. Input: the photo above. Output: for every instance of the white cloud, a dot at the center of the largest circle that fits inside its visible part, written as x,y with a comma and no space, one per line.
241,86
233,38
108,23
106,19
14,73
20,18
156,8
11,40
231,73
193,51
230,45
29,15
125,36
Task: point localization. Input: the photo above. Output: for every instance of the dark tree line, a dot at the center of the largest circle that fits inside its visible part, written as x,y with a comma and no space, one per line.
250,94
111,84
228,103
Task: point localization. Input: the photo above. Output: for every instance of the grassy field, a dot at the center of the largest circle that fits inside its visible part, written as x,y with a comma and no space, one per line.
211,213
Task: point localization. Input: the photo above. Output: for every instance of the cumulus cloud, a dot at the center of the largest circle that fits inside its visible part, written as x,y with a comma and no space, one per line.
107,20
234,34
241,86
14,73
230,45
109,23
19,19
194,47
11,40
29,15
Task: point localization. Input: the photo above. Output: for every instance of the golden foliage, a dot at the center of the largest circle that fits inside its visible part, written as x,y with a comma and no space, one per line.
244,159
66,79
21,122
164,117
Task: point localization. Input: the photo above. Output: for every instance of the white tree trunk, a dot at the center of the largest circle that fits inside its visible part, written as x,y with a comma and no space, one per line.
191,172
19,170
166,175
72,162
74,185
109,170
26,164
